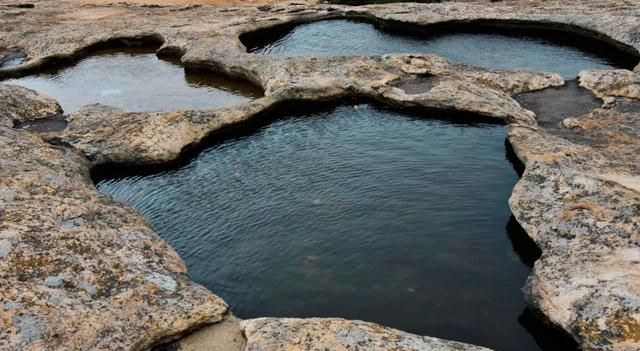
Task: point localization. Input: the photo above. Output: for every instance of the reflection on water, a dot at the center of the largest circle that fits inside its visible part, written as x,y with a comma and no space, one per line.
137,80
357,213
490,50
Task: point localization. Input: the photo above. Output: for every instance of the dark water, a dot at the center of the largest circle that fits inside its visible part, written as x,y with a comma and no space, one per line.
357,213
553,105
137,80
491,50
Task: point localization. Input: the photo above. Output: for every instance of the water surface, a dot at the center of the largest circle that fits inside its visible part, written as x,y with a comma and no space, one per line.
351,212
137,80
490,50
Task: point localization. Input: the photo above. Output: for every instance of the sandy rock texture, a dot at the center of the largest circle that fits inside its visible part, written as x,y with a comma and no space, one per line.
82,271
288,334
612,83
580,202
79,270
22,105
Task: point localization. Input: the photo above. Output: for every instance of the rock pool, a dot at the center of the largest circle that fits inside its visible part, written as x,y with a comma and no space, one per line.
138,80
356,212
484,49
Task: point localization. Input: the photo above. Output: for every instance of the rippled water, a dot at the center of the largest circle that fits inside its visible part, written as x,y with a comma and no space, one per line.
357,213
498,51
137,80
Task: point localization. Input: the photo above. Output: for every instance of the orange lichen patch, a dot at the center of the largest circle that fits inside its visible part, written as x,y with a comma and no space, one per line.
622,326
172,117
549,157
590,206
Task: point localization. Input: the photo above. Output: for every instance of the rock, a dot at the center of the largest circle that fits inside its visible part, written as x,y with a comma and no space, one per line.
619,82
579,202
82,271
79,270
288,334
222,336
21,105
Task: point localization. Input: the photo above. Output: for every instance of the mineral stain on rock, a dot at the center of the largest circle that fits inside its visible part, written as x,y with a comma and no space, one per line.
31,328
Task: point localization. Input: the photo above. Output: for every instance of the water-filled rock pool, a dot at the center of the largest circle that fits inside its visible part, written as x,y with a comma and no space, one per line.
138,80
496,50
357,212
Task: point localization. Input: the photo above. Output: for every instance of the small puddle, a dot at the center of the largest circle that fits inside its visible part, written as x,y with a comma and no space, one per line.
45,125
138,80
553,105
512,49
10,58
360,213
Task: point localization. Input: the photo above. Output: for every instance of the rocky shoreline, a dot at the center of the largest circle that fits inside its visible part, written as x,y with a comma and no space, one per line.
83,271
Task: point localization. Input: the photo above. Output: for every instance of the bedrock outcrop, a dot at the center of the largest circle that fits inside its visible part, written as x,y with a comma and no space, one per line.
23,105
288,334
580,202
82,271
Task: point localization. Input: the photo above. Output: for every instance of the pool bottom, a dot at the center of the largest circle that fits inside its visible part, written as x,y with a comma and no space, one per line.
353,212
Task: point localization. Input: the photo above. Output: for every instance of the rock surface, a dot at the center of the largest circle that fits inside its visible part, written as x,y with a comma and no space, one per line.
580,202
316,334
82,271
23,105
619,82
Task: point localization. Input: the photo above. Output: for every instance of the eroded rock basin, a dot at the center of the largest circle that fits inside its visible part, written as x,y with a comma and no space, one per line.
138,80
484,47
355,212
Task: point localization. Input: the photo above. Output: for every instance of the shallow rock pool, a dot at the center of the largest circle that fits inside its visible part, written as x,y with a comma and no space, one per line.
138,80
484,49
355,212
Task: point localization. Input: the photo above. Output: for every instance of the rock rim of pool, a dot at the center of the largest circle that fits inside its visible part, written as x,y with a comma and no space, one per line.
83,271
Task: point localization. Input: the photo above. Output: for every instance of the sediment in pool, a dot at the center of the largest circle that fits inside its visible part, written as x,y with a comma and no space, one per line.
44,125
357,212
553,105
480,43
136,79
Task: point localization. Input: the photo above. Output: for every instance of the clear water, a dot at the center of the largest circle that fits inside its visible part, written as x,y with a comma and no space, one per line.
357,213
490,50
137,80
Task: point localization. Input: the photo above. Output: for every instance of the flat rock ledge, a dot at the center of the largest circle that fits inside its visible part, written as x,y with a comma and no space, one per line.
22,105
580,203
80,270
317,334
83,271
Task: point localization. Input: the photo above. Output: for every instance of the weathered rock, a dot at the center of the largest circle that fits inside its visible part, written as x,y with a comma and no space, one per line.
80,270
288,334
618,82
112,135
222,336
581,205
21,105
